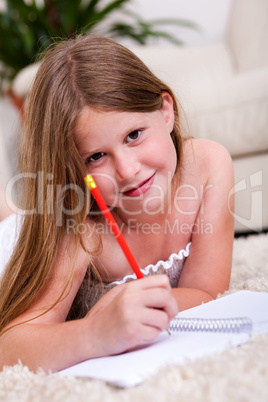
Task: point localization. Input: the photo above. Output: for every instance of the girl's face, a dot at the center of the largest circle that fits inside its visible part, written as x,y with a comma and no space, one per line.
131,156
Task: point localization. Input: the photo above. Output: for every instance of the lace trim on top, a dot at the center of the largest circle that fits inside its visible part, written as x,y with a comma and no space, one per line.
150,269
172,268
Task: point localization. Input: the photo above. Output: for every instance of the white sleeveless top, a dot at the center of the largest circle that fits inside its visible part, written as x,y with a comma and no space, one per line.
172,268
9,231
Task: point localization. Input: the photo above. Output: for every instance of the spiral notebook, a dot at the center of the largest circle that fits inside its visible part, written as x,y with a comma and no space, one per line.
211,327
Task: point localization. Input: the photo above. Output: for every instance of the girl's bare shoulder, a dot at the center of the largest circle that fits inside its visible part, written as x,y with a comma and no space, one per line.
205,159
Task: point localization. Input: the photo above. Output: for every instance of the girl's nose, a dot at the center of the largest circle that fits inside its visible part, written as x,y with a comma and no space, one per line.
126,166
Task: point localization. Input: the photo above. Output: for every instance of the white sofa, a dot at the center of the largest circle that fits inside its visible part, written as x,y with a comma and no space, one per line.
223,89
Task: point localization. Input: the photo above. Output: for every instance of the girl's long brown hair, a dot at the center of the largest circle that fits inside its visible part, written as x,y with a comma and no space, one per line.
85,71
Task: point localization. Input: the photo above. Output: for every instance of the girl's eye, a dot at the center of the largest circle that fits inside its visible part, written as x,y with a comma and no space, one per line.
95,157
134,135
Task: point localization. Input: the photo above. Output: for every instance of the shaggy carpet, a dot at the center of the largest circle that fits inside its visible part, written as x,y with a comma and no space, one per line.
238,374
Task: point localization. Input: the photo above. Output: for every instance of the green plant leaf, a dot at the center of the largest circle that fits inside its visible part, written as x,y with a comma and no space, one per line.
93,16
26,29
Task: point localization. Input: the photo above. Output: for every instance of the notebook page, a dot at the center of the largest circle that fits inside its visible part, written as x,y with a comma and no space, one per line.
244,303
131,368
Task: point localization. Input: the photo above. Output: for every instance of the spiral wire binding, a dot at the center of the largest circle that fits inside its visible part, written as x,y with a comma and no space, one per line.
233,325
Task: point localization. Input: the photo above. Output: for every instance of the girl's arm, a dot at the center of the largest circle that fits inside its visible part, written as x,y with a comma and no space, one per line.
207,270
123,318
31,340
139,312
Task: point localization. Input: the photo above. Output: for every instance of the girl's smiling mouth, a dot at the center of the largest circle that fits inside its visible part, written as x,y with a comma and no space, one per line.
141,189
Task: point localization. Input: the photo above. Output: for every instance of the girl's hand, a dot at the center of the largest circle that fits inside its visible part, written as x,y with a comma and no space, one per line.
131,313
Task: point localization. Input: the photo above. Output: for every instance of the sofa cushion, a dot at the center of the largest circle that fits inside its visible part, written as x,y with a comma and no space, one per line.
248,33
181,66
218,103
234,112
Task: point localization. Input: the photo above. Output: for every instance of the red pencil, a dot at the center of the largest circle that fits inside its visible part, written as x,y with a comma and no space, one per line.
113,225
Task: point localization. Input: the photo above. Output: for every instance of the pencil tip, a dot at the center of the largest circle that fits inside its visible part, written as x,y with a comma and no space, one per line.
90,181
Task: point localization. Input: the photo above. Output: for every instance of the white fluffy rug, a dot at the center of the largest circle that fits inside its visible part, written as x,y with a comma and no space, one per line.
238,374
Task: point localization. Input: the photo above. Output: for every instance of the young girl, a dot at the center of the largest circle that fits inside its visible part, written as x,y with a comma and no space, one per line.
67,293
